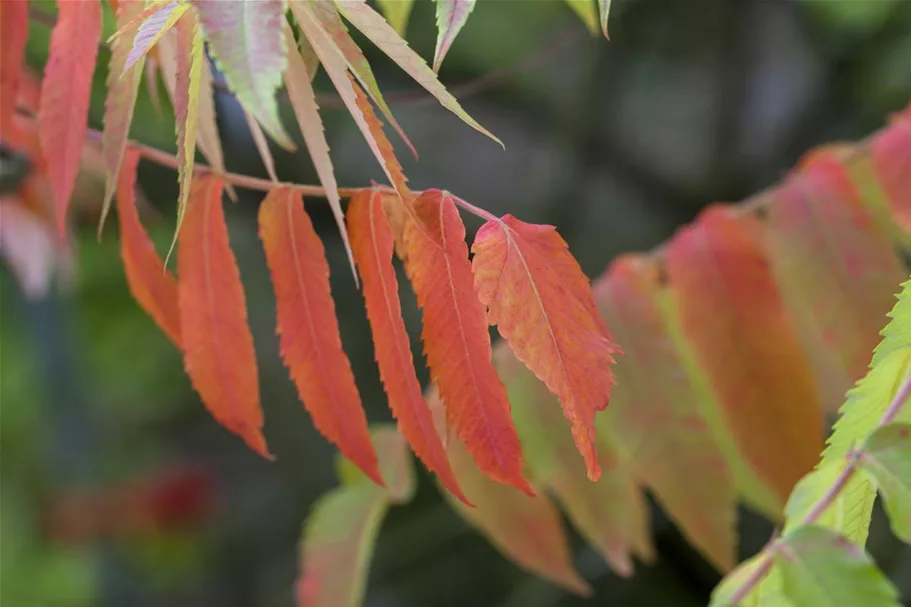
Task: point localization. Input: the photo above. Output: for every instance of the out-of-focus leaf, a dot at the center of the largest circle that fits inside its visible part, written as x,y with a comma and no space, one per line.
838,273
587,11
372,243
28,246
612,513
13,37
342,527
819,567
245,38
451,18
216,341
656,414
527,530
372,25
604,8
311,344
887,458
65,96
397,13
456,340
731,310
891,154
152,286
541,302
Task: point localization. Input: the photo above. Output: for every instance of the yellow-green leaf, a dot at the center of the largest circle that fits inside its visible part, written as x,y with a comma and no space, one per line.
887,459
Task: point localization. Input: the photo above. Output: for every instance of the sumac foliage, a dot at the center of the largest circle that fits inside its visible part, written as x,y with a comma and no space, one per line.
732,340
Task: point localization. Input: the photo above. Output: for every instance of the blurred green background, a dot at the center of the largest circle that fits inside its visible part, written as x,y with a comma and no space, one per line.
616,143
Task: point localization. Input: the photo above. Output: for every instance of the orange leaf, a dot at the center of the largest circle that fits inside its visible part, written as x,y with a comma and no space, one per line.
656,416
527,530
13,36
65,94
152,286
542,304
838,273
217,344
456,340
310,342
731,311
891,152
371,241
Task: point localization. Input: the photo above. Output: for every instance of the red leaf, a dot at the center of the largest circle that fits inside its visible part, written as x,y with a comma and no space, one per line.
891,151
542,304
731,311
310,342
13,36
152,286
65,96
217,345
456,340
372,243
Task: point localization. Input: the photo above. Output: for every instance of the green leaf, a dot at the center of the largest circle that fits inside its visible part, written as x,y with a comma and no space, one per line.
341,530
887,458
850,512
824,569
397,13
245,38
451,18
587,11
768,593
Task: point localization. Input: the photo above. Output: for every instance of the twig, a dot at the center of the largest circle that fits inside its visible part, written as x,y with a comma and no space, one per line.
826,499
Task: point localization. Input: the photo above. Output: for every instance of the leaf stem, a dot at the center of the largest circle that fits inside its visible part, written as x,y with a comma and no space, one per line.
478,211
826,499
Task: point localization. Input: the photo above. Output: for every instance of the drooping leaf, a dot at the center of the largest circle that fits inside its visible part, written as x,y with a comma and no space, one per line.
819,567
372,25
887,458
334,63
13,36
65,96
216,341
372,243
526,529
262,145
657,417
838,273
187,88
207,135
152,287
891,155
156,20
612,513
311,345
326,16
731,310
587,11
456,341
541,302
342,527
604,7
859,417
122,87
397,13
245,38
451,18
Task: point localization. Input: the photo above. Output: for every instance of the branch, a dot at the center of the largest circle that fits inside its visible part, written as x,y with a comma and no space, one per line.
826,499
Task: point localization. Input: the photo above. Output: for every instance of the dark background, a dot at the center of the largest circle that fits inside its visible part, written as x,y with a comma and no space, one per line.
616,143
